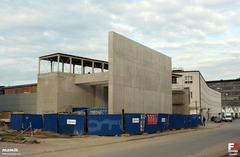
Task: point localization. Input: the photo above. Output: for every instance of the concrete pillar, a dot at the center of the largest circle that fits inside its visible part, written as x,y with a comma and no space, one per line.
83,70
70,64
51,67
73,68
102,67
92,67
58,60
63,67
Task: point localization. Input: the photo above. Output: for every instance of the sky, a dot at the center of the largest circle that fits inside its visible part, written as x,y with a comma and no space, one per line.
197,34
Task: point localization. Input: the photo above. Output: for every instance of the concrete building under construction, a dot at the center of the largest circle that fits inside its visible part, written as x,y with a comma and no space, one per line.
135,79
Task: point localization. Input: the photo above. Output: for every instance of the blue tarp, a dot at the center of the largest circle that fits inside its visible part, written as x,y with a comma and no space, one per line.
16,121
104,124
91,111
71,124
176,121
34,119
187,121
196,120
134,123
50,122
163,122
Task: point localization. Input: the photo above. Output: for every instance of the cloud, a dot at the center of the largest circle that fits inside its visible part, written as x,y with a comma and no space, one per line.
199,35
122,27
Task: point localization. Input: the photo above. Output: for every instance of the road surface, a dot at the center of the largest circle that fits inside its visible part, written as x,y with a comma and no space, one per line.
204,142
208,142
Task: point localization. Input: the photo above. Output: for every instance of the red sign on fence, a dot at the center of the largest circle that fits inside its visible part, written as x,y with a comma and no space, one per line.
152,119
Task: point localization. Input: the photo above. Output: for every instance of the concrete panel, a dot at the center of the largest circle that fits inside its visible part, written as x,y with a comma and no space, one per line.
71,95
181,96
92,79
181,101
101,96
25,102
139,78
57,92
47,93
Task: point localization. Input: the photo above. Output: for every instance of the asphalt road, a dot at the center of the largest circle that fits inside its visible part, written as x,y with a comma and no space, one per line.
202,143
211,142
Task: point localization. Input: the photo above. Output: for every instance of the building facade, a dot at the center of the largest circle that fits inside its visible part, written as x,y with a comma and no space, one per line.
203,100
27,88
230,90
21,98
180,97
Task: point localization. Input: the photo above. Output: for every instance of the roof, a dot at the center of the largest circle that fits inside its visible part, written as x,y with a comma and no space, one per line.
190,71
76,60
219,81
53,57
176,75
182,71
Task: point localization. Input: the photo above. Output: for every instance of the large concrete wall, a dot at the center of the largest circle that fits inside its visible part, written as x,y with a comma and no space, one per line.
139,78
47,93
25,102
57,92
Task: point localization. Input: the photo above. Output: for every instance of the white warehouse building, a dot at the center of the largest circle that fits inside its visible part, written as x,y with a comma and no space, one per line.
203,100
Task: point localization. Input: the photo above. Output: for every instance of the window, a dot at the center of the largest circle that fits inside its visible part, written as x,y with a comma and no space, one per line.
174,80
227,88
188,79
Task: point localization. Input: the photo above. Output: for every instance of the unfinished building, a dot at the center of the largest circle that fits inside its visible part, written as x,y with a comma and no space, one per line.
136,79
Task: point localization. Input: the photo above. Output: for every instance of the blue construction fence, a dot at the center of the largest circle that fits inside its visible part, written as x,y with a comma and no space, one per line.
91,111
105,124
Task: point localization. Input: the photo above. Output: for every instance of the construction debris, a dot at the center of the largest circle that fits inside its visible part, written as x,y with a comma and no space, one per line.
16,137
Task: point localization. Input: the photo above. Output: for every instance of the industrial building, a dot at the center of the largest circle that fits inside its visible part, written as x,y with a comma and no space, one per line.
135,79
230,90
203,100
19,98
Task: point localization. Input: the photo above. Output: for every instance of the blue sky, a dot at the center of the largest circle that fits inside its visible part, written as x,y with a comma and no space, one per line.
198,34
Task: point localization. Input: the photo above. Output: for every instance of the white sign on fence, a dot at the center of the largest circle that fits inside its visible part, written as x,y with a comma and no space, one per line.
163,120
71,121
135,120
